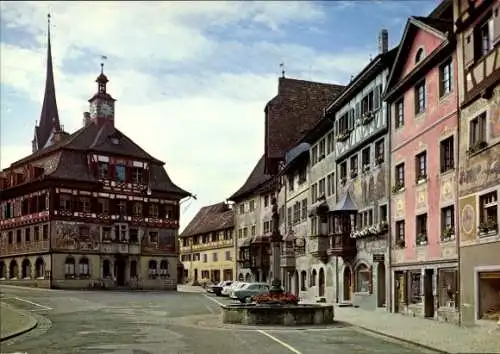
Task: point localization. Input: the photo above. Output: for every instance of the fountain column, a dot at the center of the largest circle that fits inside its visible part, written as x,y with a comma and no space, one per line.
276,240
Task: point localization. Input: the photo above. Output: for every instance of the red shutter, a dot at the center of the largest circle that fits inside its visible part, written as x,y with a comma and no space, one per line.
468,47
128,174
496,23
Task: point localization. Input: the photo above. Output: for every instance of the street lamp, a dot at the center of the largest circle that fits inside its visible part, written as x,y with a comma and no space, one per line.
276,240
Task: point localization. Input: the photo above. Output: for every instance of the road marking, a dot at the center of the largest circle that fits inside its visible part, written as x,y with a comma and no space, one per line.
33,303
210,309
287,346
214,300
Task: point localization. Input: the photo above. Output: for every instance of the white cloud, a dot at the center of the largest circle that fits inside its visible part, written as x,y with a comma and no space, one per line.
184,94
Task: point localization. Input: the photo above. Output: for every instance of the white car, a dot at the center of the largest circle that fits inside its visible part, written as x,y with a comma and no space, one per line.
226,291
238,287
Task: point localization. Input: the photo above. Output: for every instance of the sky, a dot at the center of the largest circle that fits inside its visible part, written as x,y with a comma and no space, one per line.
191,79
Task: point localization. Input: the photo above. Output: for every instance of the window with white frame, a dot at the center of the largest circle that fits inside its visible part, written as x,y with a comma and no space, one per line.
330,190
83,267
477,132
152,269
420,99
69,267
363,279
445,78
488,218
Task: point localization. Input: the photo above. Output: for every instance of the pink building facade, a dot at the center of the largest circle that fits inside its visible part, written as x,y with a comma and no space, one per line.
422,98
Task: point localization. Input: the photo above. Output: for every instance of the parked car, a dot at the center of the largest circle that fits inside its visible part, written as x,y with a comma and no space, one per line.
217,289
210,288
226,291
244,294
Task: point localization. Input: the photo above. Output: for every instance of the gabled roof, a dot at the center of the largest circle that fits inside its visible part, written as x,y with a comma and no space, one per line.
98,138
437,27
367,74
257,179
296,108
210,218
72,163
346,204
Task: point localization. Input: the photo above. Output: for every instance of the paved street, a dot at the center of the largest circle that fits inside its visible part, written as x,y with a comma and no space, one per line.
156,322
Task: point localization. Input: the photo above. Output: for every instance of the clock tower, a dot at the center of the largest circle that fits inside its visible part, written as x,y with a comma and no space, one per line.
102,105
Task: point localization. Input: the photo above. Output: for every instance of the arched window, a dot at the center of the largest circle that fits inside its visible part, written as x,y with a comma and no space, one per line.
362,279
303,280
3,270
39,267
83,268
152,269
240,277
133,269
69,268
164,269
106,268
26,269
313,278
419,56
13,269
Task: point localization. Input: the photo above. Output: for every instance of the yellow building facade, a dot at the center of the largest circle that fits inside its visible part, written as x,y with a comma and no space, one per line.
207,246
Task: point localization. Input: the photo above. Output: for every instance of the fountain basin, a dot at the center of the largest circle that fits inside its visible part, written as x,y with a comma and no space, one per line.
282,315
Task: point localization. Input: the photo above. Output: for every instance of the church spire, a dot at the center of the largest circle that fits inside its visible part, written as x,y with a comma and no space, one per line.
49,117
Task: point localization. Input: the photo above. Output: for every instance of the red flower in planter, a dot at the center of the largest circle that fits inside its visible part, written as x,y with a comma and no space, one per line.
276,298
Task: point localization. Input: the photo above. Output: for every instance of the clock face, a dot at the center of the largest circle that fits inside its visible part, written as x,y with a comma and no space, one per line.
107,110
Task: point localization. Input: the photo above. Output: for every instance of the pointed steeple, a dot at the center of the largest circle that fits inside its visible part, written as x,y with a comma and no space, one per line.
49,117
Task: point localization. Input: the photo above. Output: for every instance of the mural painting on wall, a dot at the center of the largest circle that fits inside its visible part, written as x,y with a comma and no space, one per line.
468,218
76,236
400,207
447,194
495,117
480,174
421,198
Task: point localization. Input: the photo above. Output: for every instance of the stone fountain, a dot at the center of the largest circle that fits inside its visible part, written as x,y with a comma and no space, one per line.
277,307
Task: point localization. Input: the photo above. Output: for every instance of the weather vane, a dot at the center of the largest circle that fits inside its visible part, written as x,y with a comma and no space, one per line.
103,58
282,66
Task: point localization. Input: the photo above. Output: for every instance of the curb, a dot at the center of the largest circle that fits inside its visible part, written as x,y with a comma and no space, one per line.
30,327
401,339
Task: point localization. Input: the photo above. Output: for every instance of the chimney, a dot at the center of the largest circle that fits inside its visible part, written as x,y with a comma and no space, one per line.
86,118
383,41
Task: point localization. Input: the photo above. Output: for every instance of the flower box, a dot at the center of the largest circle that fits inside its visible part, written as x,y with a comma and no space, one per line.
282,298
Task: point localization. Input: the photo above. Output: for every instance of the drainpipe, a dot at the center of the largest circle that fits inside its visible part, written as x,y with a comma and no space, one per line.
52,191
390,301
457,229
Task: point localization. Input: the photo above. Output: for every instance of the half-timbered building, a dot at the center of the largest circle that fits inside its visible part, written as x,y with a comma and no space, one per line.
477,25
88,209
422,96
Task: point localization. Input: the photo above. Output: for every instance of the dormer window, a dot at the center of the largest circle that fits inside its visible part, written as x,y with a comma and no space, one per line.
419,56
115,141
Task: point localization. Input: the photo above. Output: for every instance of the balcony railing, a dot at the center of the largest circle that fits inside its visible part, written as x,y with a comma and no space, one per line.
27,247
342,245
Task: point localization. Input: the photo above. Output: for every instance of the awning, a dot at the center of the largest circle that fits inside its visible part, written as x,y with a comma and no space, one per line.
489,275
261,239
293,155
318,208
246,242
